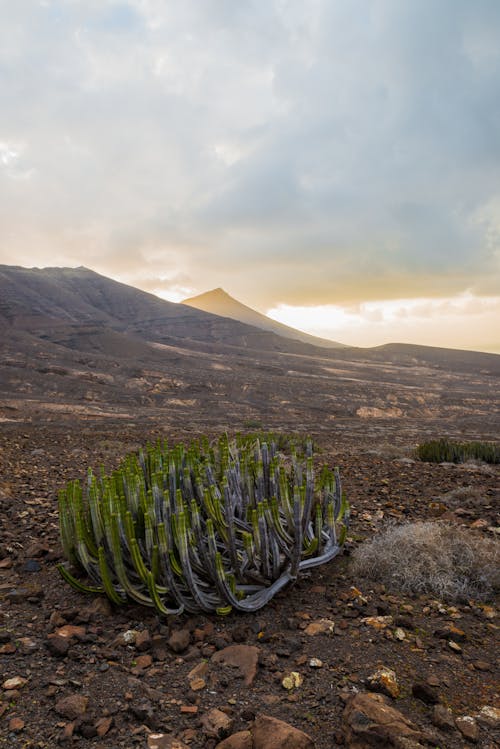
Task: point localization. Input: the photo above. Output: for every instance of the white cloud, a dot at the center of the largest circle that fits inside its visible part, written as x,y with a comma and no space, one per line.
319,152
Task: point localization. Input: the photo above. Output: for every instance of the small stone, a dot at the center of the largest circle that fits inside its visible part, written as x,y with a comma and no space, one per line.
454,646
143,640
67,732
450,632
399,634
8,649
442,717
27,645
16,725
425,693
189,709
199,671
143,661
384,681
179,640
282,735
165,741
377,622
370,720
482,666
103,725
316,663
32,566
197,684
490,716
320,627
73,706
239,740
242,657
126,638
16,682
292,681
468,727
71,631
57,646
216,724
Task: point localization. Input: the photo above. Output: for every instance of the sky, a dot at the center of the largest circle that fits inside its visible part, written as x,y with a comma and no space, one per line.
335,163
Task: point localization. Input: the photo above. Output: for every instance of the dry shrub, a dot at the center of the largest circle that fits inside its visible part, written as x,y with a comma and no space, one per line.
435,558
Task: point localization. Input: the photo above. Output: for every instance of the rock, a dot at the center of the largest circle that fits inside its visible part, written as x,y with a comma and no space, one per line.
399,634
57,646
316,663
198,672
240,740
143,640
384,680
370,721
103,725
271,733
242,657
468,727
179,640
8,649
442,718
71,631
126,638
216,724
425,692
15,682
454,646
320,627
16,725
31,566
165,741
73,706
293,680
197,684
450,632
489,716
377,622
67,732
143,661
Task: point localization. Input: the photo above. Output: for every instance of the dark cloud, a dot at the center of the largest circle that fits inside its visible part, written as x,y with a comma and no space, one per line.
294,152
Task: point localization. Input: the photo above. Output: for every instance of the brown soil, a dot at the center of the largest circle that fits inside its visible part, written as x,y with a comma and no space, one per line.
39,453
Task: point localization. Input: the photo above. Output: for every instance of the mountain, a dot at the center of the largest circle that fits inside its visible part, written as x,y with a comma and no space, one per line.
73,341
219,302
53,301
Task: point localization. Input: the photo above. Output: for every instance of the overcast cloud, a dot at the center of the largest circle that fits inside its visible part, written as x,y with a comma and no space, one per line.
294,152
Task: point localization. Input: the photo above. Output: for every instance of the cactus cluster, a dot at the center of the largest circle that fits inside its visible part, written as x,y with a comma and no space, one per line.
448,451
205,527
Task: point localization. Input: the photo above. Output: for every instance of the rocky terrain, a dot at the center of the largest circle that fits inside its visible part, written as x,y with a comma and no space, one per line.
340,661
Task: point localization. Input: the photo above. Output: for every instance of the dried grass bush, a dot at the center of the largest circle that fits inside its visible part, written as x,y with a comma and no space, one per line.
435,558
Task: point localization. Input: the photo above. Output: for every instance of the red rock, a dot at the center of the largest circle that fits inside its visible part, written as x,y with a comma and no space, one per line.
16,725
143,661
468,727
240,740
16,682
216,724
384,680
165,741
103,725
370,721
243,657
271,733
71,631
73,706
143,640
179,640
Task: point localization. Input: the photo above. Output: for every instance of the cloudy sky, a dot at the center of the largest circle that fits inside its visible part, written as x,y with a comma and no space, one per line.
336,162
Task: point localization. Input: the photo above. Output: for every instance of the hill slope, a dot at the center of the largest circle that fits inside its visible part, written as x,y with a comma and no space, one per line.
219,302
